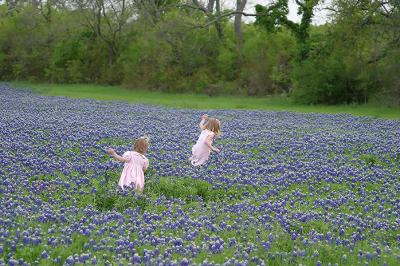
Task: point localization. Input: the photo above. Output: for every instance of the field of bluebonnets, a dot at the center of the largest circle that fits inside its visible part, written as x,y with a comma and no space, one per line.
287,188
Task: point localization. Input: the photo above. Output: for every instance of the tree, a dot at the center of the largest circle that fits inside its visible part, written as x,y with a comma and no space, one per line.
212,11
107,19
153,10
273,16
240,5
373,29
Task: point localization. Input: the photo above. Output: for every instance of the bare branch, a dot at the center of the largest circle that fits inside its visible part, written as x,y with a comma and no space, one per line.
300,3
193,7
226,15
331,9
200,6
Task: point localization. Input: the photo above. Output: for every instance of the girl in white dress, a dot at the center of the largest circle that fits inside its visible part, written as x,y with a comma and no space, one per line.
210,129
135,164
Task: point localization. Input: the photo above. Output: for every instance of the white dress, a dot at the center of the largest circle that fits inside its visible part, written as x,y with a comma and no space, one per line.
200,151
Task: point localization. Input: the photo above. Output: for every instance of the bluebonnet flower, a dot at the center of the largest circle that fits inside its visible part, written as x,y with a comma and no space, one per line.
289,171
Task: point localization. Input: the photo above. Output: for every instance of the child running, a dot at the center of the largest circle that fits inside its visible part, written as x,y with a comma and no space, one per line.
136,164
210,129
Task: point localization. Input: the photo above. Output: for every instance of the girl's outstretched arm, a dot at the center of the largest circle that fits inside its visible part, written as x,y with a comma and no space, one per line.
146,165
209,141
114,154
203,121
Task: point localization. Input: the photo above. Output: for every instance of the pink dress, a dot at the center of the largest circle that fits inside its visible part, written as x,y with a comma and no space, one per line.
133,172
200,151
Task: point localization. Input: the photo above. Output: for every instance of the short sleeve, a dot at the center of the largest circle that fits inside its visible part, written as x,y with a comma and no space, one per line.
146,164
127,156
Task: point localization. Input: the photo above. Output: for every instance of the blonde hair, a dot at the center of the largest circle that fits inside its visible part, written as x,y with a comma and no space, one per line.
214,125
141,145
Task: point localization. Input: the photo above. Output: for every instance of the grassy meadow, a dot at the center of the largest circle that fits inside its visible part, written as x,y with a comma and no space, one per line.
205,102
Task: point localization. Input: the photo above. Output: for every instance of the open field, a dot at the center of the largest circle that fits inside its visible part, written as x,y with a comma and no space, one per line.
196,101
287,189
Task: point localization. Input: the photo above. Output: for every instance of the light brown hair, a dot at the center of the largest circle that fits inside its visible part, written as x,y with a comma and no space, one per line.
141,145
214,125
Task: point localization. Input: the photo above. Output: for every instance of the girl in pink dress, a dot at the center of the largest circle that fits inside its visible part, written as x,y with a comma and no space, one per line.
210,128
135,164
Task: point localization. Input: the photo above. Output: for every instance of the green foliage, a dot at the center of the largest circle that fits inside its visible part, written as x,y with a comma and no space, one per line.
272,17
66,63
387,74
353,59
104,197
344,64
325,80
107,197
146,63
185,188
171,57
105,200
275,15
225,62
24,55
130,200
369,159
190,189
267,62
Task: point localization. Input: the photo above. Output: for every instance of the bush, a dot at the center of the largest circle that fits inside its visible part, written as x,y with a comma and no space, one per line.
326,78
189,189
66,62
130,199
104,200
387,71
109,197
266,63
369,159
185,188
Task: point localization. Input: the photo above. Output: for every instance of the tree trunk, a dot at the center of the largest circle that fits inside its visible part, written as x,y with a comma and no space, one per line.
36,3
240,4
110,55
218,26
11,4
210,6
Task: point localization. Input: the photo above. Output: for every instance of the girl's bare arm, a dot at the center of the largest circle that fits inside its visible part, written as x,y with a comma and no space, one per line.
203,121
116,156
209,141
202,124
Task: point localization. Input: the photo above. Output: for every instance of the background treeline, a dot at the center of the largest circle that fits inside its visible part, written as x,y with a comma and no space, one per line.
200,46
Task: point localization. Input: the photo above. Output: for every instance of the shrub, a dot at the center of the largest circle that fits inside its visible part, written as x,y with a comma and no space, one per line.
185,188
104,200
369,159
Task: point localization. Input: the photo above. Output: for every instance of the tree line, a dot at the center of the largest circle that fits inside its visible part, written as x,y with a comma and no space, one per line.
203,47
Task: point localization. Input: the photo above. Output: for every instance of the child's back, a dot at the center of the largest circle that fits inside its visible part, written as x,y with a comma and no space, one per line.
133,172
135,164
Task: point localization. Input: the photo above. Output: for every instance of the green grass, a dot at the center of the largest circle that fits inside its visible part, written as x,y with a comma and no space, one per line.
200,101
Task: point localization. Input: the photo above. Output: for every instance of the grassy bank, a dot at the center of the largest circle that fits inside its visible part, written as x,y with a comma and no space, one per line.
198,101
